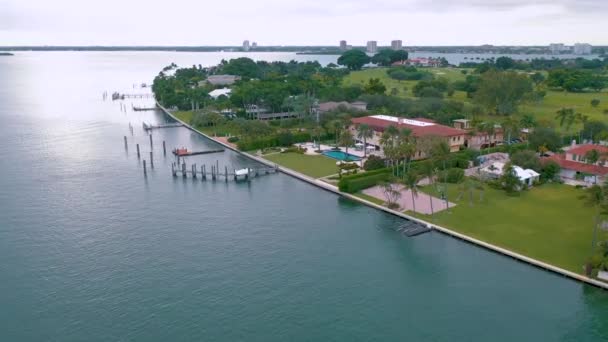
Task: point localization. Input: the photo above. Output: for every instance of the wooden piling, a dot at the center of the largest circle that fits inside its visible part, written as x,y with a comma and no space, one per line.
173,172
151,145
126,146
184,170
137,145
164,148
151,160
204,172
226,173
145,171
193,170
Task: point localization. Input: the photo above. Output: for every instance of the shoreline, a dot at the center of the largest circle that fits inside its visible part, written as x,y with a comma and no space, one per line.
446,231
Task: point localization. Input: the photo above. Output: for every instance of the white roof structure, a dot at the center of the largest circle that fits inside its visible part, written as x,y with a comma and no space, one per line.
219,92
403,120
496,168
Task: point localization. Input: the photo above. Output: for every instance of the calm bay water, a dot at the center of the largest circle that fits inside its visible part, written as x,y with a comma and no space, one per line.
90,250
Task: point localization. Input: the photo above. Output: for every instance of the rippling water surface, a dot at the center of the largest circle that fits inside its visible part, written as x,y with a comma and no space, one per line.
90,250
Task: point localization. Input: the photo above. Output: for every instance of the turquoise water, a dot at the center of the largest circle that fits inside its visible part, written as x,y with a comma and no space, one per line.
90,250
341,155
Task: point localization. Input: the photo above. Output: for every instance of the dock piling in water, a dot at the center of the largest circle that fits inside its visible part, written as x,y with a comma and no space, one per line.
126,146
194,171
226,173
151,145
151,160
145,172
137,145
164,148
184,170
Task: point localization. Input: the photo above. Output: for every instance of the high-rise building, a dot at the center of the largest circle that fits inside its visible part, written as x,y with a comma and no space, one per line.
254,45
556,48
396,45
372,46
246,45
582,49
343,45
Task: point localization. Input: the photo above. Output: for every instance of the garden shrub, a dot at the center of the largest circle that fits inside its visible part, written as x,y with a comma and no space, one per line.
373,163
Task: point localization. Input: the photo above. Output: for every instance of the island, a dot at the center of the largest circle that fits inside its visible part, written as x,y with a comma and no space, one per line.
502,152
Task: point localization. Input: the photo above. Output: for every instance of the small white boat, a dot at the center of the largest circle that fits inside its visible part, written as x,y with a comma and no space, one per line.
241,174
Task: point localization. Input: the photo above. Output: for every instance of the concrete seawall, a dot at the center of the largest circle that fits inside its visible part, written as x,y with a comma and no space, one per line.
331,188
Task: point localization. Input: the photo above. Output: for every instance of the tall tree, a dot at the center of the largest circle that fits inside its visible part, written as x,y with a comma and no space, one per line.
346,139
502,92
411,183
354,59
364,132
596,197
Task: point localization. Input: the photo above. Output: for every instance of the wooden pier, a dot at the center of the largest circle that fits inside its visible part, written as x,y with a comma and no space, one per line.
141,109
147,127
119,96
186,153
215,172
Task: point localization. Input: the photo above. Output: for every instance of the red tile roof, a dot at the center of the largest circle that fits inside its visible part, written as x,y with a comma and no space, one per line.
577,166
418,131
582,149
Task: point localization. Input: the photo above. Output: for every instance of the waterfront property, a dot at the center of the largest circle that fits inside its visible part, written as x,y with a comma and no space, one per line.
549,223
420,128
312,166
577,168
341,155
220,80
477,139
497,169
324,107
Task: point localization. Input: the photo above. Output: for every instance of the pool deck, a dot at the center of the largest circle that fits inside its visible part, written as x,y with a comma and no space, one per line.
334,189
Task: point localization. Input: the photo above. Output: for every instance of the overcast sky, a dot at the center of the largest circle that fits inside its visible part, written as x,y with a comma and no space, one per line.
302,22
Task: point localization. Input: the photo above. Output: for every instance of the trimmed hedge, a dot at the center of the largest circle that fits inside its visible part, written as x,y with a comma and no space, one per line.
360,181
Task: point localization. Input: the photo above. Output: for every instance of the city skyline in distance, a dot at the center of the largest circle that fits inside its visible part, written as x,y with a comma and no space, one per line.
416,23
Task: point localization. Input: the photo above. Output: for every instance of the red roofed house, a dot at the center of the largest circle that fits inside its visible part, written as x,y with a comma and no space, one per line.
575,167
419,127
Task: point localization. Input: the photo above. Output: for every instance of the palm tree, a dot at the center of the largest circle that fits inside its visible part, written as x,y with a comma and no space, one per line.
566,117
406,147
336,126
388,142
596,197
527,121
364,132
317,132
582,119
346,139
411,183
469,185
440,151
429,172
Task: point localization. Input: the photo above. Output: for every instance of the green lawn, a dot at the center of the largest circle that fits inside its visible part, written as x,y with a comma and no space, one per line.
361,77
369,198
313,166
183,115
548,223
544,110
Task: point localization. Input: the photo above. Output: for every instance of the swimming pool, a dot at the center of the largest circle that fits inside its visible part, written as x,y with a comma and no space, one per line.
340,155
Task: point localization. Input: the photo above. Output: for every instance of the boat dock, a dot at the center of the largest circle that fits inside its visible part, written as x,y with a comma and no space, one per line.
119,96
141,109
215,172
167,125
182,152
411,229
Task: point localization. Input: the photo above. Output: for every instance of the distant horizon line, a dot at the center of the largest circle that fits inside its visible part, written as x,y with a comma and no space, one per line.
280,46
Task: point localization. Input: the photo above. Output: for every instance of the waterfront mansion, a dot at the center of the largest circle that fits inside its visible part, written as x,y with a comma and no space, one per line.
420,127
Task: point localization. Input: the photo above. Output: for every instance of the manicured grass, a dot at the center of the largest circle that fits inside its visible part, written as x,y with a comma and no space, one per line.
548,223
185,116
313,166
361,77
369,198
580,102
